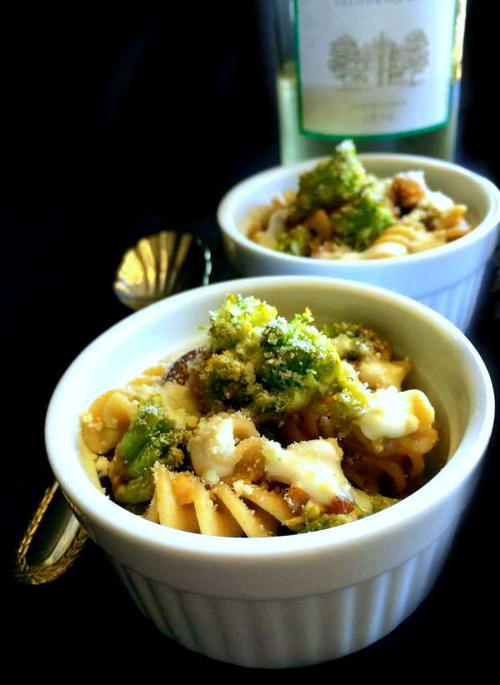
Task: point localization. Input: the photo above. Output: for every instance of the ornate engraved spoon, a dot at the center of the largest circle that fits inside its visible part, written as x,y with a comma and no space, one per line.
158,266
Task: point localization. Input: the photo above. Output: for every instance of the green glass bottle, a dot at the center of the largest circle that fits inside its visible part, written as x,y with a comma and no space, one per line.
385,73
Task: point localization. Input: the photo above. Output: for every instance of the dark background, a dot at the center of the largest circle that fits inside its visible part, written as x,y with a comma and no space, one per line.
118,122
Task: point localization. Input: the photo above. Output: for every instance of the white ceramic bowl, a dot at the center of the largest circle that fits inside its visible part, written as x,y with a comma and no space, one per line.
299,599
449,278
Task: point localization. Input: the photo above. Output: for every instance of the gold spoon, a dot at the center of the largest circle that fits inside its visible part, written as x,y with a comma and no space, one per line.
158,266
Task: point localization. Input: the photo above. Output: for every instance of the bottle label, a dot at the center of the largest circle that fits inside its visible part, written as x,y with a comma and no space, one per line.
373,67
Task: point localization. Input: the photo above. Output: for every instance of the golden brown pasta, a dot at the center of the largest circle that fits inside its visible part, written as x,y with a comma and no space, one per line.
182,501
106,420
399,459
151,376
380,373
299,429
376,218
401,239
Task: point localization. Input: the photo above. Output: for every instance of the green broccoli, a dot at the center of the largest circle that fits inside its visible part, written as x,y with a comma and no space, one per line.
302,524
354,341
380,502
300,363
358,222
227,381
330,183
279,367
311,518
295,241
151,437
296,354
238,322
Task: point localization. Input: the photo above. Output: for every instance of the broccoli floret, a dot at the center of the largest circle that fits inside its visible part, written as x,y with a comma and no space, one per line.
348,403
355,202
238,322
295,241
285,366
312,518
151,437
330,183
296,354
269,402
278,377
303,525
227,381
380,502
354,341
359,222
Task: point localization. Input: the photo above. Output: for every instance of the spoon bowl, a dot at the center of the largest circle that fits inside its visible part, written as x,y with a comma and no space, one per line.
160,265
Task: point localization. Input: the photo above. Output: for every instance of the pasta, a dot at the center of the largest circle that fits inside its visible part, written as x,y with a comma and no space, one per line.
273,426
341,212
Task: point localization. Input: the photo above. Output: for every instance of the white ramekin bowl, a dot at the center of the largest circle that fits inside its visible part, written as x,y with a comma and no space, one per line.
299,599
449,278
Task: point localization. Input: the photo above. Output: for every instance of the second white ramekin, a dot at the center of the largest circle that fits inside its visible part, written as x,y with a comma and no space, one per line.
449,279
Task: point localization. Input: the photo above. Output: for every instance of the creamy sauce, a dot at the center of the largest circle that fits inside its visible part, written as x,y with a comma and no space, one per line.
313,466
393,414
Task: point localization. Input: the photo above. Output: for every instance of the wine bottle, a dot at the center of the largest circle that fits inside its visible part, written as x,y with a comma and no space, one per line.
384,73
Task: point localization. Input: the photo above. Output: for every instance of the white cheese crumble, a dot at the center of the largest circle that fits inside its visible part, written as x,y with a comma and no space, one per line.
213,445
393,414
312,465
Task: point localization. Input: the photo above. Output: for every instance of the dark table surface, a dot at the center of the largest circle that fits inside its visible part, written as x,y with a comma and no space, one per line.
100,128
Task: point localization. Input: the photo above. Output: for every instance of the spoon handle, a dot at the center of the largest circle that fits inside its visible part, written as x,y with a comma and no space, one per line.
159,265
52,541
